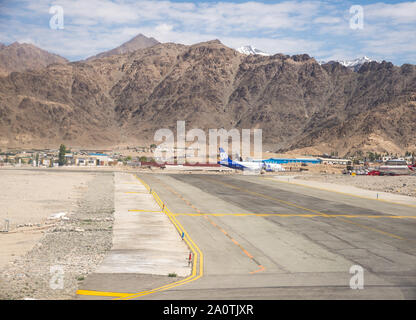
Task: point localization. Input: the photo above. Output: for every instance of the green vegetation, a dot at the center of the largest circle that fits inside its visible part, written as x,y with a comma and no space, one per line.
172,275
126,159
409,154
62,151
373,156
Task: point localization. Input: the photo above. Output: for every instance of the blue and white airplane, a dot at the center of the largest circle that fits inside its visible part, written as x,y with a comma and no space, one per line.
240,165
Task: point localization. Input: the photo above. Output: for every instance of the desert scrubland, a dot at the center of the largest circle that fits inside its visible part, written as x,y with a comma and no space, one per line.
60,229
405,185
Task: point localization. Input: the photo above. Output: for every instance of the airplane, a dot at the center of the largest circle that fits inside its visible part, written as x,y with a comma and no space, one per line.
239,165
272,167
396,167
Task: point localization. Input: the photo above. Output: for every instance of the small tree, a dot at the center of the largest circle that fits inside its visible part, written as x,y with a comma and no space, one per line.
62,151
371,156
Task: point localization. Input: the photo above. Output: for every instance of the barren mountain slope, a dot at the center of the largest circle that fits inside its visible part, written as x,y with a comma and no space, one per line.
138,42
23,56
297,102
61,103
378,114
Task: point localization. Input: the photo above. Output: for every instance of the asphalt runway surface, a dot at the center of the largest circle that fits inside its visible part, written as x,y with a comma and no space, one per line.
264,239
258,238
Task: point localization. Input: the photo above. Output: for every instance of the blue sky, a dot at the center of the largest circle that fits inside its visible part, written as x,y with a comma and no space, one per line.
319,28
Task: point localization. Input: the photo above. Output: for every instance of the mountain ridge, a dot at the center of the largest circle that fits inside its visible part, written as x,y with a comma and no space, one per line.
248,49
352,64
22,56
124,99
138,42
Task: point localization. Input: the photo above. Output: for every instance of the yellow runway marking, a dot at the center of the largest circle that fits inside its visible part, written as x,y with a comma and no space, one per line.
191,278
140,210
102,293
303,208
261,269
373,229
248,254
197,254
206,217
294,215
142,192
235,242
191,244
246,214
265,196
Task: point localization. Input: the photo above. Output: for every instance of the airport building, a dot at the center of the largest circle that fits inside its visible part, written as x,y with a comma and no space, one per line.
292,160
335,161
94,159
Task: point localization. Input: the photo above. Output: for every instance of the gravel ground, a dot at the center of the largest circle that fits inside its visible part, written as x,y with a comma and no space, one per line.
68,251
405,185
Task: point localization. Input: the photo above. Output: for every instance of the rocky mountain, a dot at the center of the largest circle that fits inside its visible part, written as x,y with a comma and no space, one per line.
251,50
299,104
354,64
373,111
138,42
23,56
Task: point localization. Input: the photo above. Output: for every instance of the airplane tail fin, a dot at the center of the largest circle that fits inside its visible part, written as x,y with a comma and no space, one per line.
224,156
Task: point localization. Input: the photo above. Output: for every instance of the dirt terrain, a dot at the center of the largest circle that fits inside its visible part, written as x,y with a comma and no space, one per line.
37,250
405,185
125,98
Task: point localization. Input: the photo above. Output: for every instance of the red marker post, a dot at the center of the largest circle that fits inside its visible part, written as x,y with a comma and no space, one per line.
190,258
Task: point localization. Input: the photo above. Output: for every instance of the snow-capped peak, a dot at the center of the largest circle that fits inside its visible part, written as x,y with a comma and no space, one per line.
251,50
354,64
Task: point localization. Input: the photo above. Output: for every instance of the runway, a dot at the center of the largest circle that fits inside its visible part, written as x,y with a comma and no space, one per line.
265,239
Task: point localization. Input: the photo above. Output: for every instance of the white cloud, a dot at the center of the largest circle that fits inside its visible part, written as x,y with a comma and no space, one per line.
319,28
204,16
327,20
26,40
398,13
163,28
